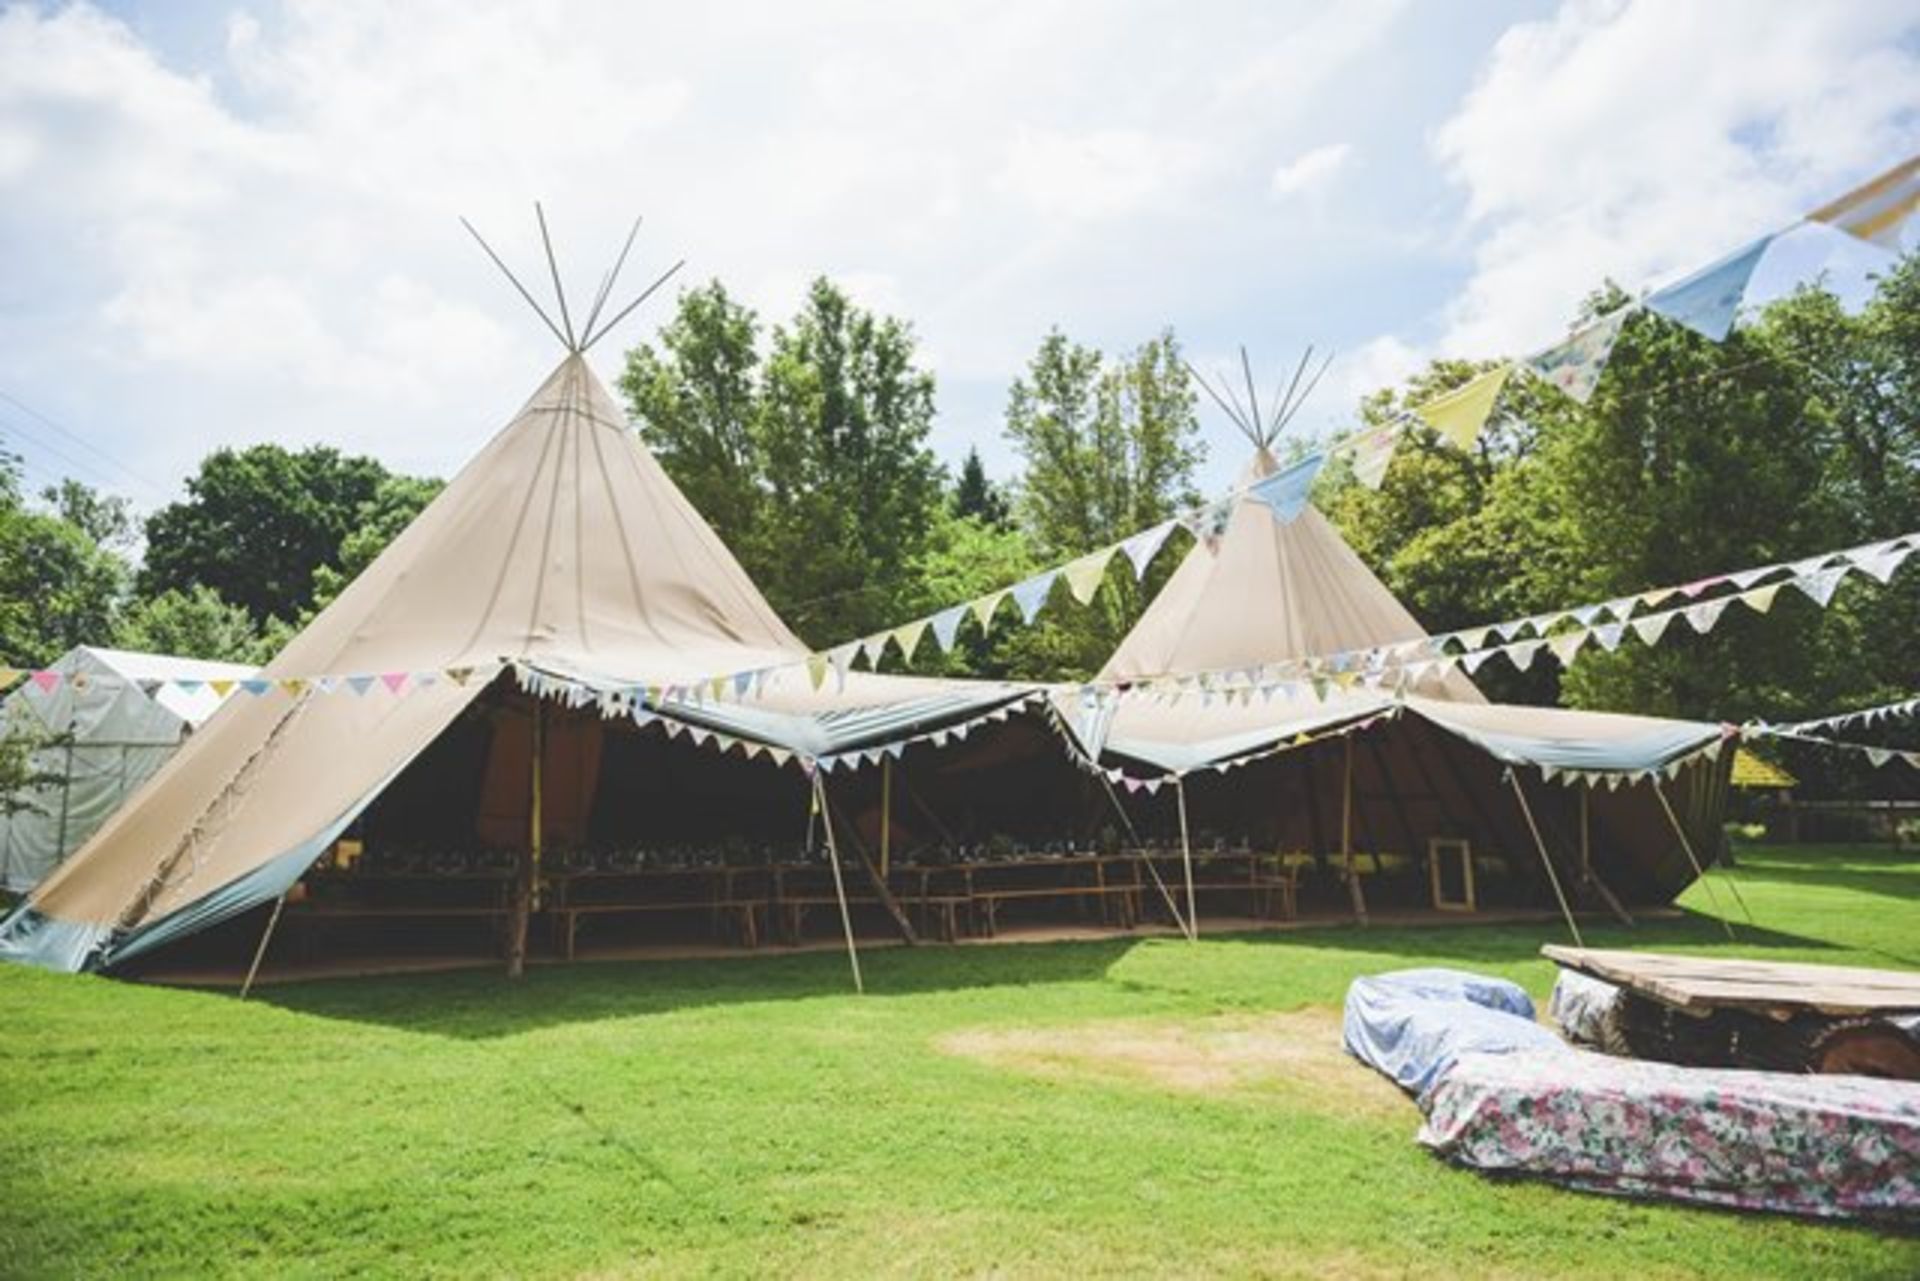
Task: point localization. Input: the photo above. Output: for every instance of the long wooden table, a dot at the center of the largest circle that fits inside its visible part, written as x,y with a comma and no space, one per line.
752,902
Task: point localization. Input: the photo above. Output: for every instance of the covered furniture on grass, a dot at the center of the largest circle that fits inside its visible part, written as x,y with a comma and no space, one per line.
1827,1146
1502,1095
1411,1026
1745,1013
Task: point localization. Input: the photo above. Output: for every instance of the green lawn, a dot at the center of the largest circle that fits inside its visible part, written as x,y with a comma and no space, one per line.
753,1117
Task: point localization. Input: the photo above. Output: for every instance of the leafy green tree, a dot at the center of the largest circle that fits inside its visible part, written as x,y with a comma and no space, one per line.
844,424
192,623
697,403
257,523
58,587
1799,434
1109,448
810,460
396,501
108,519
977,496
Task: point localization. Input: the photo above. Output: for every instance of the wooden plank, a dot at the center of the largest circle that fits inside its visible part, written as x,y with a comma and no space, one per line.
1699,984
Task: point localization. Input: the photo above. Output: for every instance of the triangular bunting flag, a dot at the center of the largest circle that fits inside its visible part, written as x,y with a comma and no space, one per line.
1575,365
1460,414
255,686
1521,653
394,681
817,669
1759,599
946,626
1651,627
1029,595
1881,562
1708,300
1878,756
1819,585
358,684
1876,211
1209,523
293,685
1143,546
907,638
1703,616
1085,575
48,681
1284,493
983,610
1610,635
1566,646
8,676
1373,455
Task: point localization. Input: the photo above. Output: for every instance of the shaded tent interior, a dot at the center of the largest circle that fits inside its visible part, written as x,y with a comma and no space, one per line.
648,839
1434,761
1413,783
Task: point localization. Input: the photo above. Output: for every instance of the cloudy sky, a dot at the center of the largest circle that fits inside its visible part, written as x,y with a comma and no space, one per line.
229,222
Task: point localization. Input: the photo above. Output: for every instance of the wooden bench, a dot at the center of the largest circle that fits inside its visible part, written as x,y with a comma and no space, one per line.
989,900
744,911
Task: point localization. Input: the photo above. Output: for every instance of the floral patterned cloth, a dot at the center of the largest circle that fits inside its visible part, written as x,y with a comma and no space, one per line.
1830,1146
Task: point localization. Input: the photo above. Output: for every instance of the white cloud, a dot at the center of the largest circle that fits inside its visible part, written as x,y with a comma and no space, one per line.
1310,171
1639,139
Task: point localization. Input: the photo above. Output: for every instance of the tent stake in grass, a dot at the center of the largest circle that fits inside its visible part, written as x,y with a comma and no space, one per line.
839,886
1545,860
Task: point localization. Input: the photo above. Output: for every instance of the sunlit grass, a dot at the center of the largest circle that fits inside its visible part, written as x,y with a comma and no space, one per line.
753,1117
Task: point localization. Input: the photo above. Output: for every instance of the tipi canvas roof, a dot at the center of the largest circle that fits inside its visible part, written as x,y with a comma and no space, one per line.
1268,591
563,544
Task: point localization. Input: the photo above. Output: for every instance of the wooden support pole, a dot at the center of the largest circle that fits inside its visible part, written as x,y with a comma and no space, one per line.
1354,892
886,816
266,937
524,887
1133,835
1590,877
1586,834
879,882
1186,858
839,886
1546,860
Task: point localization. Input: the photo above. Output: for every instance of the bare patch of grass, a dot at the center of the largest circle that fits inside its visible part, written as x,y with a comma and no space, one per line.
1296,1053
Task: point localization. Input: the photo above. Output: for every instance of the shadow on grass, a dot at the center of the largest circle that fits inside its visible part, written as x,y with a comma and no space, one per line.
484,1004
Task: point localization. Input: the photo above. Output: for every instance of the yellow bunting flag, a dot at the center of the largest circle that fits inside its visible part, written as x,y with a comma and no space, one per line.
221,688
1759,599
817,669
984,607
9,676
1461,413
907,637
1875,211
294,685
1085,575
